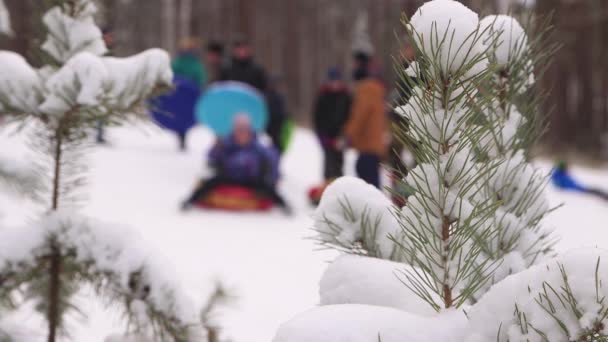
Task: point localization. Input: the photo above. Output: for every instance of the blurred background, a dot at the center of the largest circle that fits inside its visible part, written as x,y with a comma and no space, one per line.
297,40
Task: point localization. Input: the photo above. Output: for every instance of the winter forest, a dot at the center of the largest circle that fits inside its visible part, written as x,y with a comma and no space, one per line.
306,170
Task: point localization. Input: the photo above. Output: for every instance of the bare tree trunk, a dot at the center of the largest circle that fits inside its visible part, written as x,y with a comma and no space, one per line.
168,24
185,18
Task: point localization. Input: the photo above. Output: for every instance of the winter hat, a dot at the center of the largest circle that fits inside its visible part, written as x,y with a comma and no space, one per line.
334,74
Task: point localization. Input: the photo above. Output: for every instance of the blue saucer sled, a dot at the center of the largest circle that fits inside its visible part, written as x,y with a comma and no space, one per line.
223,101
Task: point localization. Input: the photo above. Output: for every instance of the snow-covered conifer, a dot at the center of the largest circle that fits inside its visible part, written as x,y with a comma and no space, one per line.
520,239
445,222
58,104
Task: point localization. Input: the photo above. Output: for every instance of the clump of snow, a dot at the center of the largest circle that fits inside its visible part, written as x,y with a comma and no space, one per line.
354,213
132,79
507,37
109,250
352,279
365,323
447,31
80,82
542,298
20,85
5,20
71,33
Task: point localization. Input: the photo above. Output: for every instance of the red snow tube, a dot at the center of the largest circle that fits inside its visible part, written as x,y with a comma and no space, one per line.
235,198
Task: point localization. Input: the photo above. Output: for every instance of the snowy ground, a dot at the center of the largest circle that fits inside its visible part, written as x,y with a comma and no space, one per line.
264,258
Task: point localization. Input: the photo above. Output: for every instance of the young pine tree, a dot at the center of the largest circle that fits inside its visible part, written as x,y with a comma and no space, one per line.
48,261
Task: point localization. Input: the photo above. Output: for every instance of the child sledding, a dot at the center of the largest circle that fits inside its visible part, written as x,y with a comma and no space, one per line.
246,173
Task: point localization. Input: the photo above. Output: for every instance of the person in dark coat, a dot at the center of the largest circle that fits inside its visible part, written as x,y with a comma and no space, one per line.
277,115
367,127
242,68
331,111
214,60
240,159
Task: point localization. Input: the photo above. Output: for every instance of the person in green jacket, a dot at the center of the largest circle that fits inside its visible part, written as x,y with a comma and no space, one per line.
187,63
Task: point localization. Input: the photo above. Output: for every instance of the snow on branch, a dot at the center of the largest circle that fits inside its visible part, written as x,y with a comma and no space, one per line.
561,300
20,85
136,78
71,30
111,258
356,217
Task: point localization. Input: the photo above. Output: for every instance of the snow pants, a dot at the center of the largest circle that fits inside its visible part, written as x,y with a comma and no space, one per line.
368,168
333,162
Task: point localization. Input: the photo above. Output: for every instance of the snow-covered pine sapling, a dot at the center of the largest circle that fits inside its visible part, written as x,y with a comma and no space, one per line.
445,222
520,238
61,102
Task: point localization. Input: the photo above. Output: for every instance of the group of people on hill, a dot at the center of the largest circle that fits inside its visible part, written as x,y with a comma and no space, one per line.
359,119
240,158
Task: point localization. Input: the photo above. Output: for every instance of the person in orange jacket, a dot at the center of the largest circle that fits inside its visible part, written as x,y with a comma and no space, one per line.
367,127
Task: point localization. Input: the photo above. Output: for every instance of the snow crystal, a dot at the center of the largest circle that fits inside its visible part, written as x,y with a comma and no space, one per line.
448,31
69,35
352,279
508,38
365,323
81,81
348,205
21,81
495,311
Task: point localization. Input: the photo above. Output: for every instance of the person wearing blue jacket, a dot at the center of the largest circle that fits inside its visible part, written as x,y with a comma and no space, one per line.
561,178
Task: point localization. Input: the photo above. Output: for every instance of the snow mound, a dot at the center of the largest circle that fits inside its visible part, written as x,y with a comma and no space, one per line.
538,301
365,323
352,279
355,214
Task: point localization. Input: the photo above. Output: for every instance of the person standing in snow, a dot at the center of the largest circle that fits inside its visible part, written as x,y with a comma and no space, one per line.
331,111
187,63
367,126
242,67
277,115
240,159
214,60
